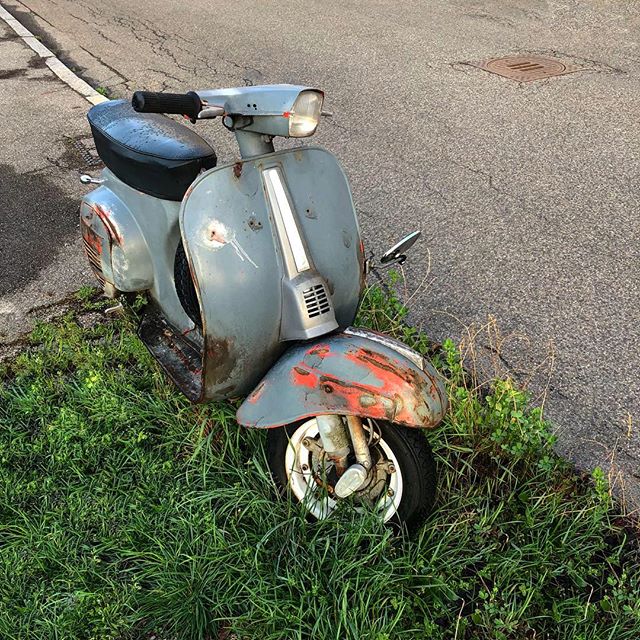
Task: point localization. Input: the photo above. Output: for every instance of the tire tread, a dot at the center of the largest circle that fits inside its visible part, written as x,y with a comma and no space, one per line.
414,445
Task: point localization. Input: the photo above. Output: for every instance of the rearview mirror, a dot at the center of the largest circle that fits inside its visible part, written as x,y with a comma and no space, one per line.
396,255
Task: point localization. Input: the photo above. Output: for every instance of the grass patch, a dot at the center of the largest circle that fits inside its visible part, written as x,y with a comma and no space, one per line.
103,91
126,512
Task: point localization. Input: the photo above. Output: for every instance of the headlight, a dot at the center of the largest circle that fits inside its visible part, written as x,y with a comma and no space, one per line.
305,114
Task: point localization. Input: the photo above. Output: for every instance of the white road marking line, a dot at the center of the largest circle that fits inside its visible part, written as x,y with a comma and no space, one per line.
60,69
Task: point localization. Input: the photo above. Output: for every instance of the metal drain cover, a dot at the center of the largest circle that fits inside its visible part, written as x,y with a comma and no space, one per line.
87,150
523,68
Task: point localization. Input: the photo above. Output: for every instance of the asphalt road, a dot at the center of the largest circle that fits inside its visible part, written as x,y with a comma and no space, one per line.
41,122
527,193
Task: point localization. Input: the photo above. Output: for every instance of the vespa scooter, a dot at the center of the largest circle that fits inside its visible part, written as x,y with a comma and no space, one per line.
253,272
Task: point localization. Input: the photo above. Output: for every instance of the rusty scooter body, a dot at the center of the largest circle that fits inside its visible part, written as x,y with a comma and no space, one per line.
253,272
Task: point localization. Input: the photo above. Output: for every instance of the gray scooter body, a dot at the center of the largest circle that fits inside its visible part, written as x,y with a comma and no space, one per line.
272,256
253,272
253,297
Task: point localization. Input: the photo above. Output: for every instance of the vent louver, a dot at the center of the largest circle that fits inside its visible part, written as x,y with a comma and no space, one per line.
94,261
316,301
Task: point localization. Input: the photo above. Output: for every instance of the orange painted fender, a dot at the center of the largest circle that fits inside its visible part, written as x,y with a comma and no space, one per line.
356,372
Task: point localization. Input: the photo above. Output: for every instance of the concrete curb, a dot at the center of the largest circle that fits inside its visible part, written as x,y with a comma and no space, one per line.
60,69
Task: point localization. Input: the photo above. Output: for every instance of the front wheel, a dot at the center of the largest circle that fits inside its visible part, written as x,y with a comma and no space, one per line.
401,485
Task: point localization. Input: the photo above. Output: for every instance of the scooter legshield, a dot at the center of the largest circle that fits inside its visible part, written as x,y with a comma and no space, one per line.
346,374
235,254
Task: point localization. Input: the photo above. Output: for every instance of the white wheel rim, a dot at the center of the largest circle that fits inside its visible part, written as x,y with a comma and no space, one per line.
299,468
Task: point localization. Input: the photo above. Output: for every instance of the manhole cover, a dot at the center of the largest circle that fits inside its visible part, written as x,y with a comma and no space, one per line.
526,68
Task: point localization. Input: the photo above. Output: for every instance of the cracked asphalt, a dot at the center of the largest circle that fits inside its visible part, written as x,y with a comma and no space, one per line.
40,251
527,194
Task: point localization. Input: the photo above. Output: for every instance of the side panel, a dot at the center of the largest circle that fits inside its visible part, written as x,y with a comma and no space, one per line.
347,375
114,243
238,265
134,236
158,222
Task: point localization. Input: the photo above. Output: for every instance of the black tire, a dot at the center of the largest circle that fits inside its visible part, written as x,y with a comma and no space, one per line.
413,455
185,288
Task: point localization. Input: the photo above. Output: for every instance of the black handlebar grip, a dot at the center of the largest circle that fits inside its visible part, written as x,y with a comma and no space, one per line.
187,104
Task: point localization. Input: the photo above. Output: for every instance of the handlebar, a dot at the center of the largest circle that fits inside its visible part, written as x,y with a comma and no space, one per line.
187,104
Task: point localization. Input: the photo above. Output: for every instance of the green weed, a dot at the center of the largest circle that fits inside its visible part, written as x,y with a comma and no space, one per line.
126,513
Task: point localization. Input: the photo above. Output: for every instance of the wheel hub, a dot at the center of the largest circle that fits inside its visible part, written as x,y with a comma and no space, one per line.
312,475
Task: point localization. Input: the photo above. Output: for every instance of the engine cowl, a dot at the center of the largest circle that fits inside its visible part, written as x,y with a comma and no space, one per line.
114,245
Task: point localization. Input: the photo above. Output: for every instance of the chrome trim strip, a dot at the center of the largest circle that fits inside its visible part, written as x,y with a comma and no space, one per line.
284,218
391,343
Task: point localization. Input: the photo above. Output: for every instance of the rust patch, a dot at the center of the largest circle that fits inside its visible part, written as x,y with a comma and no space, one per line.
376,360
105,217
319,350
176,356
237,170
393,368
180,354
303,378
316,354
362,264
92,239
256,394
363,381
254,224
400,398
216,234
220,360
93,251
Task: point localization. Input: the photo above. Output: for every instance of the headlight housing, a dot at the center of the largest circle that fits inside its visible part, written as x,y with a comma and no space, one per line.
305,114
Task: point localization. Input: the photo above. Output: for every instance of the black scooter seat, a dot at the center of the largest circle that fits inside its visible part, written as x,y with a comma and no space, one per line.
148,151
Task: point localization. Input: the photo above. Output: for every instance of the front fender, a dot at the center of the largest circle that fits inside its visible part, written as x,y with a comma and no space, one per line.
357,372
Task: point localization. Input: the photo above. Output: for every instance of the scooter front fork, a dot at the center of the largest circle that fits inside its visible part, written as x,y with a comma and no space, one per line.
337,443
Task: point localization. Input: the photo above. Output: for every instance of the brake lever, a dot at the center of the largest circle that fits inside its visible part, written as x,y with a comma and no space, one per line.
211,112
